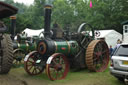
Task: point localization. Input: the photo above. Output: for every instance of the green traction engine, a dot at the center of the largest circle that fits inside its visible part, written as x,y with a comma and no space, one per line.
22,46
58,51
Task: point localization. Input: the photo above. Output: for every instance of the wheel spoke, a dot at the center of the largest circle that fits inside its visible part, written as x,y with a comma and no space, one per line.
33,71
57,74
54,62
30,61
59,60
30,68
104,51
39,68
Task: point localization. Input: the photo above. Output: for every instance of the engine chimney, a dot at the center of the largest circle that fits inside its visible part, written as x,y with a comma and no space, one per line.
47,21
13,26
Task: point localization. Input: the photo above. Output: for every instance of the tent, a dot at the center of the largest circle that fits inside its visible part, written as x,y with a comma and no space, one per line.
110,36
31,32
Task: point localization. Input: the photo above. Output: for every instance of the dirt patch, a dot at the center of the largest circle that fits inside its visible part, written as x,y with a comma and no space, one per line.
11,80
18,76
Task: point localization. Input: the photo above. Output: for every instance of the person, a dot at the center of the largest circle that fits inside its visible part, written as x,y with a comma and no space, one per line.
110,50
57,31
119,41
116,47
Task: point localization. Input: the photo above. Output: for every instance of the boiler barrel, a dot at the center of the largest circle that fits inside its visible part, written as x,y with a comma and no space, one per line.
66,47
48,47
25,46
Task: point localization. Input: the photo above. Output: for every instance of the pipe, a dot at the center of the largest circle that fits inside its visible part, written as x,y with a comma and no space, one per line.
47,21
13,26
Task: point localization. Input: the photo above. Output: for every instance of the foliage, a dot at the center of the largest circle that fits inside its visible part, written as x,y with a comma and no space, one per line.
104,14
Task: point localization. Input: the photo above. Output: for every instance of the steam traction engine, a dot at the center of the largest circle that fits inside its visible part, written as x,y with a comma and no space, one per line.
75,50
6,48
21,47
22,44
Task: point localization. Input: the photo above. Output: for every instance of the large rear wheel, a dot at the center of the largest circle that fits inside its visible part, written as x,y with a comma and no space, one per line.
97,56
6,54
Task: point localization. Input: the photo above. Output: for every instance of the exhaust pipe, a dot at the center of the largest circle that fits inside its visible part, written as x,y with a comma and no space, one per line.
13,26
47,21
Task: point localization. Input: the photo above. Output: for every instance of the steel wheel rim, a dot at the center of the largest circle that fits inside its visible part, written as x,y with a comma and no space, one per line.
97,56
18,57
52,70
30,64
102,57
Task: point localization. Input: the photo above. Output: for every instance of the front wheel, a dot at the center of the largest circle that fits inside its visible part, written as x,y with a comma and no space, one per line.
18,57
33,64
57,66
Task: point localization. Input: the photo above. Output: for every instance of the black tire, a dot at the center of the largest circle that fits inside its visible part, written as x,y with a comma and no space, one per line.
120,78
6,58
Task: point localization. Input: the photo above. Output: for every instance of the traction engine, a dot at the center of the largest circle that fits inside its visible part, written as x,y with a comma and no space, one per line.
58,51
22,46
6,48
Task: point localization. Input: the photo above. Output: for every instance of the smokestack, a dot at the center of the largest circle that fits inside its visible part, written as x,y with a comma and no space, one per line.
13,26
47,21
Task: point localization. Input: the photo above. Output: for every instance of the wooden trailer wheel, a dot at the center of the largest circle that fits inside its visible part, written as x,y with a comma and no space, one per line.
57,66
97,56
33,63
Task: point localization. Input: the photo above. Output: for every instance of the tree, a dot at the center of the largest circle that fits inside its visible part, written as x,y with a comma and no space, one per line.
105,14
37,15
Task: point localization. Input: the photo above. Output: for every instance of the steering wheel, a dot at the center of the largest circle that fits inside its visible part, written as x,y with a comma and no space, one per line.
85,28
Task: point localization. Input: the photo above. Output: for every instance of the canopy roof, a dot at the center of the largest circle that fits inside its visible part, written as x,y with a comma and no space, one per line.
31,32
7,10
104,33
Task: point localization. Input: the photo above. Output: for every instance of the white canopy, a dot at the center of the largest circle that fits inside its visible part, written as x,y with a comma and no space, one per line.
31,32
110,36
104,33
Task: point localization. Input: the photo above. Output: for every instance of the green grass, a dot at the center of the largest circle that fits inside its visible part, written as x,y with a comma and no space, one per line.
74,78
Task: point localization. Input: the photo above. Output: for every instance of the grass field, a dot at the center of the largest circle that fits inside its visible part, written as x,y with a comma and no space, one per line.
74,78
